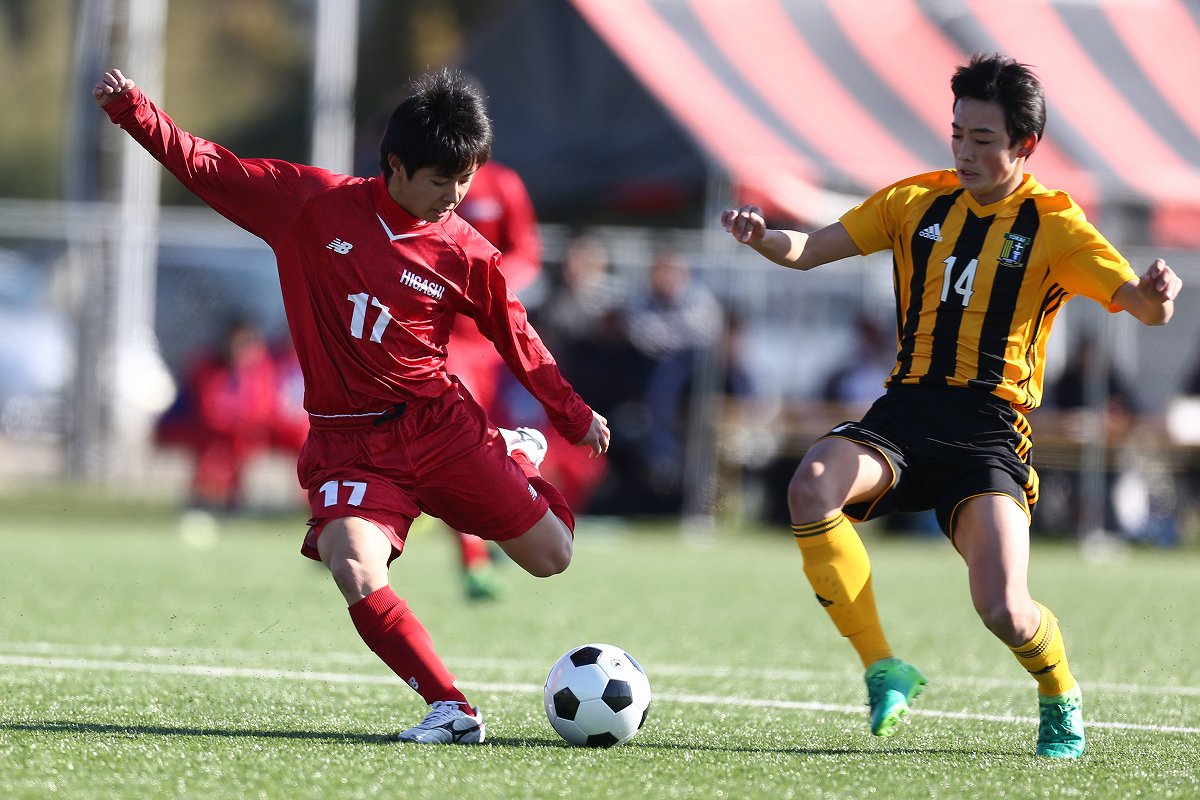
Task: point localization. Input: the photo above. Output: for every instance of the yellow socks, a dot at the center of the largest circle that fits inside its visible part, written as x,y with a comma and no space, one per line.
839,570
1045,656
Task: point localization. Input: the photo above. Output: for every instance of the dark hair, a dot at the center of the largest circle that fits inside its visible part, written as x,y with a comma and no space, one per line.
443,123
1000,79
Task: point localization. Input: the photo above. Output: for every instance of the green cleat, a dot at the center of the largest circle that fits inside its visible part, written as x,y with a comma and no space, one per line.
891,685
1060,734
483,583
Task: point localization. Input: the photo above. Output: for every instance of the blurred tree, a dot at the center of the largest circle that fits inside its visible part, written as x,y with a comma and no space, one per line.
237,71
35,52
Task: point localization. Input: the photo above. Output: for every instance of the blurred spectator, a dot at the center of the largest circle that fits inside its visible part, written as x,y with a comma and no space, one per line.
289,428
499,207
674,323
582,318
225,414
1183,428
1069,392
675,315
1192,387
1126,495
585,291
860,380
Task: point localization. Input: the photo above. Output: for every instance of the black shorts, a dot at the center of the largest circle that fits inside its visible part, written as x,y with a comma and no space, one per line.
945,445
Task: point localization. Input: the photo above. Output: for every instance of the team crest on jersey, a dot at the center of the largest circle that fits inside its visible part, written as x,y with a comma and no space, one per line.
1015,250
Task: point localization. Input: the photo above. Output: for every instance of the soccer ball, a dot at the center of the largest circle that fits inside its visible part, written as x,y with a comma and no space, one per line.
597,695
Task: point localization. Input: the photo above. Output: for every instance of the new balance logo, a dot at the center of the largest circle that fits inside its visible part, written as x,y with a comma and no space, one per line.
933,232
338,246
532,492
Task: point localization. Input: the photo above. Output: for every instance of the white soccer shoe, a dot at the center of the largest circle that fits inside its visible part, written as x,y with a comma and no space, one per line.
529,441
447,723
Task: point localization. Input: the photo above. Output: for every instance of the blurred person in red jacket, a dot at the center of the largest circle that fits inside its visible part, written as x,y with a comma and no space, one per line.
499,207
225,414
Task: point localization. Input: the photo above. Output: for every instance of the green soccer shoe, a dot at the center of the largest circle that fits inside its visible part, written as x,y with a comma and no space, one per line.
891,686
1060,734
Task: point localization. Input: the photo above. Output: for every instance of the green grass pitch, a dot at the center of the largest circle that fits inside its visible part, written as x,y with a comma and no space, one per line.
136,662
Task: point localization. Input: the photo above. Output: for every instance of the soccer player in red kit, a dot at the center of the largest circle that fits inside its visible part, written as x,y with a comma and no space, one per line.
373,273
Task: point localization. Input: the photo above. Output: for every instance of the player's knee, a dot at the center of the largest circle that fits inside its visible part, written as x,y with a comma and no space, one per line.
806,494
1003,620
352,576
552,554
342,570
553,559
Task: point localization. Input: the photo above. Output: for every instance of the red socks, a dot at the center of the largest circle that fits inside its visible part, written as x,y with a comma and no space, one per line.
474,551
558,503
389,628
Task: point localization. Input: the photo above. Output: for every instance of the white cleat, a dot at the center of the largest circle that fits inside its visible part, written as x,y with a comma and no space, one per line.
447,723
529,441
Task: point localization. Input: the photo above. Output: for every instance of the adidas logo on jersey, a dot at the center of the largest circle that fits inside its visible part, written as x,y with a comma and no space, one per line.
933,232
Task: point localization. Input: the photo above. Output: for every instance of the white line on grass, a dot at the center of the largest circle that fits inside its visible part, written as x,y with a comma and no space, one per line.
200,671
514,665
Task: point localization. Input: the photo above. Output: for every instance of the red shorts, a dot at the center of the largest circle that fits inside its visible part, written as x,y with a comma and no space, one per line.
441,458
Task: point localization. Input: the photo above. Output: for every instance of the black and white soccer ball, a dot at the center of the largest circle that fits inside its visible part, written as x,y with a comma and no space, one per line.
597,695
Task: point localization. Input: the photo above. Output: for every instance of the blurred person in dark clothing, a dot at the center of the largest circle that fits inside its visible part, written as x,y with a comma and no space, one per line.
673,323
582,316
859,381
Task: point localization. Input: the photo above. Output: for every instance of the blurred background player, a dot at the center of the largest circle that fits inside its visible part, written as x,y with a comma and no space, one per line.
499,207
225,415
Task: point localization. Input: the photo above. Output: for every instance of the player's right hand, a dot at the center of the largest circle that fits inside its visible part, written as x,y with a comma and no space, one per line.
746,224
111,84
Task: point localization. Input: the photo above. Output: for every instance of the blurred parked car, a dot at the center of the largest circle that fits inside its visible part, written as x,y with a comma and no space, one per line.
36,350
200,289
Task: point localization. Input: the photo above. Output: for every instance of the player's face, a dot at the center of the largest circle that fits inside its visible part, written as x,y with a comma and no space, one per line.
990,165
429,193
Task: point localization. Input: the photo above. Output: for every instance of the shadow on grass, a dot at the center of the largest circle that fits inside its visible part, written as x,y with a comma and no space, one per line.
59,726
870,750
56,726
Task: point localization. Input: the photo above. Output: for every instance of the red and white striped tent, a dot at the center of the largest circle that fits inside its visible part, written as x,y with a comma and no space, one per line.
806,102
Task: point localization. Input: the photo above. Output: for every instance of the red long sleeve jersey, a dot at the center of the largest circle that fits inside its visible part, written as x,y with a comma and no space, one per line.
370,291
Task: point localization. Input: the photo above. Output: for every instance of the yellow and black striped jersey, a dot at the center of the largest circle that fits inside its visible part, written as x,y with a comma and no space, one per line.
978,287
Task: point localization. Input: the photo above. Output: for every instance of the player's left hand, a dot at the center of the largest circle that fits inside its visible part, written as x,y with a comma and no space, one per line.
597,437
1160,283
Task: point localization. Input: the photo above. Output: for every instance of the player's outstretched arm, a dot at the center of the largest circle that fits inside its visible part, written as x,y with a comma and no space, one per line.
1151,298
111,84
790,249
597,437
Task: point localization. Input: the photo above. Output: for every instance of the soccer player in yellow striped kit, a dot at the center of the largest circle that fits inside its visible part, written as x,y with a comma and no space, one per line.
984,257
